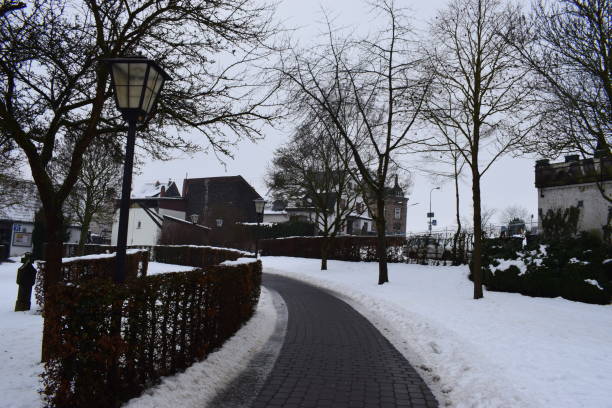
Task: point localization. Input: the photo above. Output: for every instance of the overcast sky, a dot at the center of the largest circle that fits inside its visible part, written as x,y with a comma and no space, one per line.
509,182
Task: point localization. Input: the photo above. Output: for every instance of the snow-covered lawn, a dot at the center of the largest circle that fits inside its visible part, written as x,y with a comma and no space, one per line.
506,350
21,335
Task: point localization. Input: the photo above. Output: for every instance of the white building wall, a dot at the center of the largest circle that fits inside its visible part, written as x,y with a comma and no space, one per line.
594,208
141,228
275,217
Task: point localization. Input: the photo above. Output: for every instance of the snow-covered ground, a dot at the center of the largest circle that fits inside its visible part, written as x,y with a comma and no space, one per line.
506,350
21,335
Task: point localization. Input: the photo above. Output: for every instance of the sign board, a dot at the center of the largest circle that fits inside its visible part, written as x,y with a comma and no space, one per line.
430,215
23,239
17,227
434,222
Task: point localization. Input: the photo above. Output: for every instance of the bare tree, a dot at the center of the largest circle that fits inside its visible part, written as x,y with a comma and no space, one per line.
6,6
309,167
52,83
478,94
567,44
92,197
374,81
513,212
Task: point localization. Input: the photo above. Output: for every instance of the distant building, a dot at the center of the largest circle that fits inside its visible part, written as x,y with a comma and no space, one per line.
150,205
17,222
396,209
576,183
226,200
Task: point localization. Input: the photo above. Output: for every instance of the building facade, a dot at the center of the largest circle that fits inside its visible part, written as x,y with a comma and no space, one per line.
576,183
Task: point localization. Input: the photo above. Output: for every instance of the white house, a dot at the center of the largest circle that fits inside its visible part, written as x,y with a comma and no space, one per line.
17,222
576,183
149,204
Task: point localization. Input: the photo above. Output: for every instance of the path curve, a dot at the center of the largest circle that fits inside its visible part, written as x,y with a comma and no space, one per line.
332,356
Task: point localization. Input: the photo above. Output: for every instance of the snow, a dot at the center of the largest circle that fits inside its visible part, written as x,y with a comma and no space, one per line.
98,256
20,342
239,261
594,283
506,350
504,264
21,337
198,385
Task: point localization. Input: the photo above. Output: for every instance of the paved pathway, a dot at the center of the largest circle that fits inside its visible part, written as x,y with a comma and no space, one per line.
333,357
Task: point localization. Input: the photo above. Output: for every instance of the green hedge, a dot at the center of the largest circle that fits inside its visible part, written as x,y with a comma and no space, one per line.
114,341
573,268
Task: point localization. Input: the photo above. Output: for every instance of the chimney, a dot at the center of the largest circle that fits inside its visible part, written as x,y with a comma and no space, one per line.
162,192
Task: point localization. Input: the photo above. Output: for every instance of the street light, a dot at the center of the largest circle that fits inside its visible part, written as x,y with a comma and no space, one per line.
430,214
260,203
137,82
219,222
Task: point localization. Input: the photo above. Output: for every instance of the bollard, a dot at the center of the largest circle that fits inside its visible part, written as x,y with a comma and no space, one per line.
26,276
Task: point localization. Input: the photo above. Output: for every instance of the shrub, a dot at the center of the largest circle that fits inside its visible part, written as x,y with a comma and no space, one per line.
198,256
574,268
78,269
114,341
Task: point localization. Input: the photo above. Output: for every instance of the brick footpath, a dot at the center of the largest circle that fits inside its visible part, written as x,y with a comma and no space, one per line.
334,357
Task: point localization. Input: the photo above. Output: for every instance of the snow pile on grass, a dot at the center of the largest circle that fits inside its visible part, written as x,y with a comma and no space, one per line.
20,342
198,384
506,350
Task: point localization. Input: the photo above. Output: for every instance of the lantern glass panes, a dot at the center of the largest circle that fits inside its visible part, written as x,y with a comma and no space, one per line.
137,82
259,205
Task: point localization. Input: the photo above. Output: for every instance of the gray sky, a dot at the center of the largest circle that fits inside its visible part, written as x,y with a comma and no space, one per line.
509,182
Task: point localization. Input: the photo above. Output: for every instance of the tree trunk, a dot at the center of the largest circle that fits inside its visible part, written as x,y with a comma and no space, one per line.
84,230
477,250
456,260
53,249
381,243
324,252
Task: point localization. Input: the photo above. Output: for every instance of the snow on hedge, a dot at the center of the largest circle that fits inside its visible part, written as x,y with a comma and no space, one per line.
506,350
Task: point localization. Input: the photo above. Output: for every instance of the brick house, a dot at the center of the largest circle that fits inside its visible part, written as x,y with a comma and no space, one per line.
228,199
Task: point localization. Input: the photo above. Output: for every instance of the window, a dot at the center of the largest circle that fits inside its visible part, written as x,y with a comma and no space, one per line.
580,204
138,225
398,213
397,226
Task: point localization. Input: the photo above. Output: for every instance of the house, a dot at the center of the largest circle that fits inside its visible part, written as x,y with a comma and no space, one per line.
17,222
577,183
396,209
217,201
157,211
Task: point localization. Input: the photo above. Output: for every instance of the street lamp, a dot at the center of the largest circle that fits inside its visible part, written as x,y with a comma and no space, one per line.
430,214
260,203
137,82
219,222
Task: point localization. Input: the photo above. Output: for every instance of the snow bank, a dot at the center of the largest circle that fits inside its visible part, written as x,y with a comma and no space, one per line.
20,342
198,385
239,261
506,350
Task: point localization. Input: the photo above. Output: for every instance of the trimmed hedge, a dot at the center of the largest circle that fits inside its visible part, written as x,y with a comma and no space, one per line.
363,248
115,341
78,269
199,256
574,268
189,255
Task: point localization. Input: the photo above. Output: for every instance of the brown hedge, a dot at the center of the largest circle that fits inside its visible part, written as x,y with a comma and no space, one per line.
77,270
189,255
359,248
114,341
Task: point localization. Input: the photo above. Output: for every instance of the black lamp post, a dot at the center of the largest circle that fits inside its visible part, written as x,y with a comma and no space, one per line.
137,82
430,214
260,203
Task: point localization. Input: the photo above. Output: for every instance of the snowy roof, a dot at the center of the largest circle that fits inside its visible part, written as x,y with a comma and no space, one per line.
149,190
25,210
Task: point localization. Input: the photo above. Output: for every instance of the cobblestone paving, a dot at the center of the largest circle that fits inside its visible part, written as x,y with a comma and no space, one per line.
333,357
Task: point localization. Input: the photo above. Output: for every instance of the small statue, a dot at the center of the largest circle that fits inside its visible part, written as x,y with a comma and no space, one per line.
26,276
